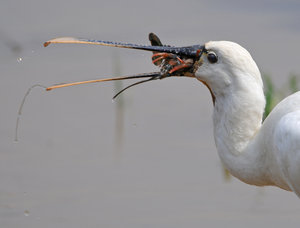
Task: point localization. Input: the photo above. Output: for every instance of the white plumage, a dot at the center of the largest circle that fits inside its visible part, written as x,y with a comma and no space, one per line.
256,153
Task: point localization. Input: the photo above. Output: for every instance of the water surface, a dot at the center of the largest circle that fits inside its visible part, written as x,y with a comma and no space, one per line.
74,166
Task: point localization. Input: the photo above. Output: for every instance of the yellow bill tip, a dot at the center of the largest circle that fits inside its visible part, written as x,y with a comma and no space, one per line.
62,40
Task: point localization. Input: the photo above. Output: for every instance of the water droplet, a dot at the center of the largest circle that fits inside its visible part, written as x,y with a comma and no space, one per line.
19,59
26,213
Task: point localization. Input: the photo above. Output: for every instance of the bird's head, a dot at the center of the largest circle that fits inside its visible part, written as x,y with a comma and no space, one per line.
225,67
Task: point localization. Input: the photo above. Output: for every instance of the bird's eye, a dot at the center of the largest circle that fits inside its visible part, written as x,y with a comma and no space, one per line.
212,57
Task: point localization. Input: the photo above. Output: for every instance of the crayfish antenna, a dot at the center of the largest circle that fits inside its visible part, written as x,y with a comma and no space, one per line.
21,108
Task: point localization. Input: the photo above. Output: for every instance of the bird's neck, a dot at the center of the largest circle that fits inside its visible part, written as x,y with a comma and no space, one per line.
237,119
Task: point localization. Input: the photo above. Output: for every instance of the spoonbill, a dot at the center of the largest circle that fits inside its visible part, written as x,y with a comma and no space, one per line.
261,153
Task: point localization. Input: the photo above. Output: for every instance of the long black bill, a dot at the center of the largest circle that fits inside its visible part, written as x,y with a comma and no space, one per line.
150,77
153,76
168,68
188,51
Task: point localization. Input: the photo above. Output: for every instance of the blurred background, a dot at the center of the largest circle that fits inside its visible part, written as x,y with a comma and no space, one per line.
148,159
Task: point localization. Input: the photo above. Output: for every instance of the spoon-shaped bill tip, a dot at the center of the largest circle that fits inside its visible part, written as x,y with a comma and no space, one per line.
65,40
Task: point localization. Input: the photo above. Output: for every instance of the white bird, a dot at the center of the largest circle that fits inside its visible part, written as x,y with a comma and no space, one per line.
257,153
